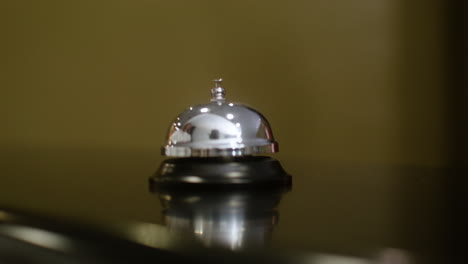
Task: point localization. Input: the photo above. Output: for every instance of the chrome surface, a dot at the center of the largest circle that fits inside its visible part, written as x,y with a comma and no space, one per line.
219,129
218,93
233,219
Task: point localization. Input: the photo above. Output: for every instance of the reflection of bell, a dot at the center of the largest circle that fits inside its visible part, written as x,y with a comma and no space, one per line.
233,219
213,144
219,129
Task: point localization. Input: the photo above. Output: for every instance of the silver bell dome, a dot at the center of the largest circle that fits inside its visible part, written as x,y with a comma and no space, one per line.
219,129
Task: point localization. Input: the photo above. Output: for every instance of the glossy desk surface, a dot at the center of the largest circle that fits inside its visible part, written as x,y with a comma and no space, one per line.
335,212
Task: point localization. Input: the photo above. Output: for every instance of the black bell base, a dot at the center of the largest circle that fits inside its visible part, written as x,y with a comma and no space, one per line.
221,172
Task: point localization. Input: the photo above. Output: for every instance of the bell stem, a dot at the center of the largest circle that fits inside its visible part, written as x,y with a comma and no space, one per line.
218,93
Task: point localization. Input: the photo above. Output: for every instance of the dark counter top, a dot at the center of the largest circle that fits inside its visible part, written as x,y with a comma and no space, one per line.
335,211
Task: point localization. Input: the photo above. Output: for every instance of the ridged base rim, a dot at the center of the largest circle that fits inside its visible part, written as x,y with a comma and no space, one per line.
179,151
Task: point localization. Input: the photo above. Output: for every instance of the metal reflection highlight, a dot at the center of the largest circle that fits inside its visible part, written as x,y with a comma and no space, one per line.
224,219
219,129
36,236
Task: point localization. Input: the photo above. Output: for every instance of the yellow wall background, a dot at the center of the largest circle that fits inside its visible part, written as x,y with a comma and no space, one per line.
358,81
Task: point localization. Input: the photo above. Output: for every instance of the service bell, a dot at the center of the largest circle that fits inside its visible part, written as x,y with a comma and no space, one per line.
219,143
219,128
